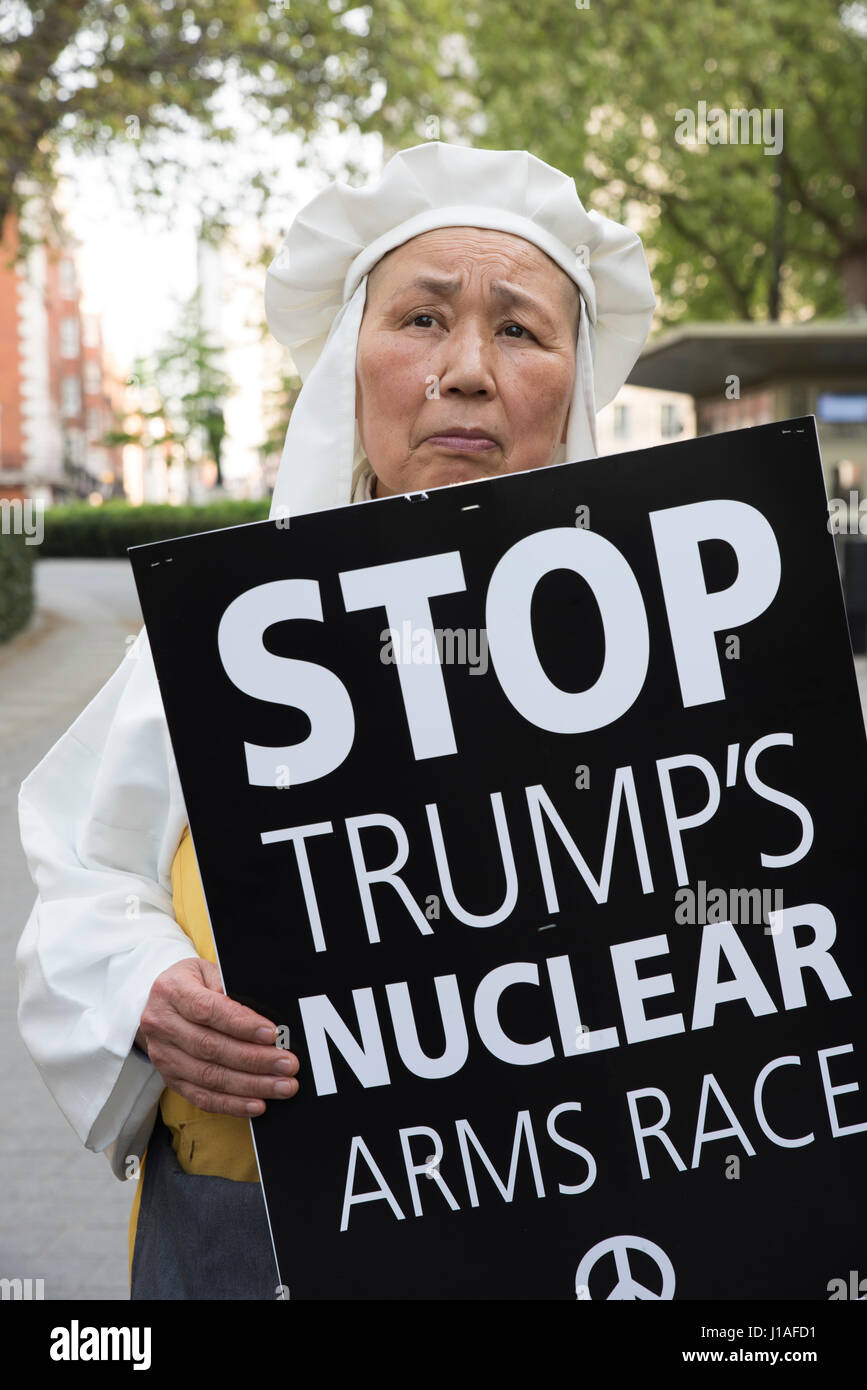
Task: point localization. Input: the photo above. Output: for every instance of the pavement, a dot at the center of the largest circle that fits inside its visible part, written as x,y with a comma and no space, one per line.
63,1214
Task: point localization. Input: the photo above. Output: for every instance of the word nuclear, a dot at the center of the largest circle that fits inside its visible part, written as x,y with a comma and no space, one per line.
324,1028
404,589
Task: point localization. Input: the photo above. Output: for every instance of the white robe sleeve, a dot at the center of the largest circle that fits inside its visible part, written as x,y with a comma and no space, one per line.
101,817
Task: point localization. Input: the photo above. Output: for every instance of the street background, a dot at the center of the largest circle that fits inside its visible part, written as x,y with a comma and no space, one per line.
63,1214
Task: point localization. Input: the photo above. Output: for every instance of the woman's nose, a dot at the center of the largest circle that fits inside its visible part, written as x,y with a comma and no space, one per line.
465,361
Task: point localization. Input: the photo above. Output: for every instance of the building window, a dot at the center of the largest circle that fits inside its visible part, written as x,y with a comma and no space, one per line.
90,330
67,279
621,422
69,345
97,462
669,421
92,378
75,447
95,424
70,396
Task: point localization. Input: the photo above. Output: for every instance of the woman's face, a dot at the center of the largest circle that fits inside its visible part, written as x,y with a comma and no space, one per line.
486,343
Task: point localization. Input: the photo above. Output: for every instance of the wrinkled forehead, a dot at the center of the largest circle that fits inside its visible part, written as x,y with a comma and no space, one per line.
519,258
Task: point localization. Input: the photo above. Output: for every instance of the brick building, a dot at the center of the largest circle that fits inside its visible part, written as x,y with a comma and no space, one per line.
57,393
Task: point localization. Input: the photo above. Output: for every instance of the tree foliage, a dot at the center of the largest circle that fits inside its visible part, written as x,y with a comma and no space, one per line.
88,74
280,404
731,231
595,90
193,384
184,387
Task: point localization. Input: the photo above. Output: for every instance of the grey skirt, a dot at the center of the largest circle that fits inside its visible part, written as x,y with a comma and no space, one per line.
199,1237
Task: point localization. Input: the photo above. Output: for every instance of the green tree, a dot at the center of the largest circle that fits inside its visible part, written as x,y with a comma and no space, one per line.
595,90
92,74
730,231
279,406
151,426
192,385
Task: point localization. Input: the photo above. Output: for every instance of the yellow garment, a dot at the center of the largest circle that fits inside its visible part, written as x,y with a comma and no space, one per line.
217,1146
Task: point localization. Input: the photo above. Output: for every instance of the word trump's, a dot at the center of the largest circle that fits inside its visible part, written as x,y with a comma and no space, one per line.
542,822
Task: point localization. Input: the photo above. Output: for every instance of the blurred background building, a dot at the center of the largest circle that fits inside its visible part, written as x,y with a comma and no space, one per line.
743,374
59,390
638,418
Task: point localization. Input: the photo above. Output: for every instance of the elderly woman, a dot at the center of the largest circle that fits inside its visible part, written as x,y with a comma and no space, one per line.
461,319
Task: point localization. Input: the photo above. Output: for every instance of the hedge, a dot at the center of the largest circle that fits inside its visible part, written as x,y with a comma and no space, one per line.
16,583
85,532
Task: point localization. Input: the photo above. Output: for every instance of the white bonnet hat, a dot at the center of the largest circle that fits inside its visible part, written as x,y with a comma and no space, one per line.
315,292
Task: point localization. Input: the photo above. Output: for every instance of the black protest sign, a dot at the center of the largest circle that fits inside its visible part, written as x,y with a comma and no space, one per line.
534,810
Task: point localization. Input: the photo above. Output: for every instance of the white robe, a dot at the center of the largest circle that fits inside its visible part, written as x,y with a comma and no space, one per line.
101,818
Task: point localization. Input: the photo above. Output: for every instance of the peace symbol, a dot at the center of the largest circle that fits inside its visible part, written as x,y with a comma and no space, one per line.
626,1287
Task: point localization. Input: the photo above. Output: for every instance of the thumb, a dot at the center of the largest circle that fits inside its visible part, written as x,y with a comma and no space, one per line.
211,975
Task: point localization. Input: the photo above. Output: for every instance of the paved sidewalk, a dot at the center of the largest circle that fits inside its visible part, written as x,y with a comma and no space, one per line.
63,1214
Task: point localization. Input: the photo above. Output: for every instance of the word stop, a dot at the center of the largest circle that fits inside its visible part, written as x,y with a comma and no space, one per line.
404,589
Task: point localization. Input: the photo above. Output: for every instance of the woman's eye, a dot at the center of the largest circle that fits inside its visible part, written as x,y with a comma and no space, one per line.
523,331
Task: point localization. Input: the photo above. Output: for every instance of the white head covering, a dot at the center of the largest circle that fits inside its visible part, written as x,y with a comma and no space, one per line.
315,292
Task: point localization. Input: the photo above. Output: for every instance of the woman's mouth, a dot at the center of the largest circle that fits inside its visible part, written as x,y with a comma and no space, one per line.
461,443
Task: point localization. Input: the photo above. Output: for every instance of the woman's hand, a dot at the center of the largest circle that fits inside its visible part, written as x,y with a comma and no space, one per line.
210,1049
